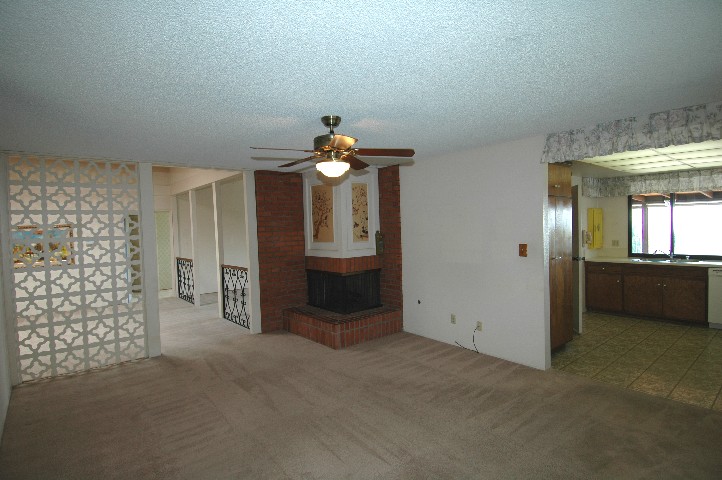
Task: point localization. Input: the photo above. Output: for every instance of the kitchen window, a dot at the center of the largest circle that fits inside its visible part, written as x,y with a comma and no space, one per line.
684,224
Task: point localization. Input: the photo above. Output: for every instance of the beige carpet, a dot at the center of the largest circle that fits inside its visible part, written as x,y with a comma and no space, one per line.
222,404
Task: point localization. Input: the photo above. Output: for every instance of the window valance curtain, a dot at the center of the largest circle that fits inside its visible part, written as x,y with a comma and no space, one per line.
672,182
680,126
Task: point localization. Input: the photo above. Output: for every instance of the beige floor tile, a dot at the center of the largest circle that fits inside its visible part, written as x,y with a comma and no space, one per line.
668,369
718,403
702,378
695,396
617,374
677,361
611,350
700,332
713,354
652,348
639,357
597,355
653,385
707,370
584,369
560,362
680,357
628,341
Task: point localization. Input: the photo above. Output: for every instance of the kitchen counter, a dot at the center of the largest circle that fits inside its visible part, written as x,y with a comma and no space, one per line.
654,288
656,261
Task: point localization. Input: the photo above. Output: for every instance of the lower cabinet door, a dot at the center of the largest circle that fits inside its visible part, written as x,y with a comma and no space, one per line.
685,299
604,292
643,295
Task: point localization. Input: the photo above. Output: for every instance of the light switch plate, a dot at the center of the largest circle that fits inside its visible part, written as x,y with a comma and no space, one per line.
522,249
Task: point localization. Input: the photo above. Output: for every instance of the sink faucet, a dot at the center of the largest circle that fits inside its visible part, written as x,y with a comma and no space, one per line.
670,254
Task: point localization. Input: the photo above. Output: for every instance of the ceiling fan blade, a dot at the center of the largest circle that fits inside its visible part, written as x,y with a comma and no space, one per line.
272,159
388,161
286,149
296,162
385,152
354,161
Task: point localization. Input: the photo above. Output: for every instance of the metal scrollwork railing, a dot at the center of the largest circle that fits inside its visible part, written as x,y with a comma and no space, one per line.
235,291
185,279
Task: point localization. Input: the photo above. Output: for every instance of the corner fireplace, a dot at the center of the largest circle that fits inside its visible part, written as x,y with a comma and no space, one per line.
344,293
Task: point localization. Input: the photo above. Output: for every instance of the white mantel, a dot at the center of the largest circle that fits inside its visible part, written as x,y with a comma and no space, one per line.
343,244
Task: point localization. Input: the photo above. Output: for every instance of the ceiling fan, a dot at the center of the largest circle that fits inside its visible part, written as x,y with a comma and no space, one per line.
333,154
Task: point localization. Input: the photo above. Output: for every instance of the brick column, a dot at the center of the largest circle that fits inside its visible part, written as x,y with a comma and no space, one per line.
281,245
390,222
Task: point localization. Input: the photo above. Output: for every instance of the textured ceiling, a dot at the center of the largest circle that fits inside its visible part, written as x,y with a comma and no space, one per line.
199,83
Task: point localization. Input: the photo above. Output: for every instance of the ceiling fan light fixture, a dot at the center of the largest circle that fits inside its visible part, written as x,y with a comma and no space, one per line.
333,168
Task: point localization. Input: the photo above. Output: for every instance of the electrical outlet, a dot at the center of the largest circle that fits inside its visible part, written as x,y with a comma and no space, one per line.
478,326
453,319
615,243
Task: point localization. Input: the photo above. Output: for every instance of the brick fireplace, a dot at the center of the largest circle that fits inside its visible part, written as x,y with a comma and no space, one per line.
283,265
340,327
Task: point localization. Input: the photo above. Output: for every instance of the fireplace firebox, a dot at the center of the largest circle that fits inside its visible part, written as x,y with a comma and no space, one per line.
344,293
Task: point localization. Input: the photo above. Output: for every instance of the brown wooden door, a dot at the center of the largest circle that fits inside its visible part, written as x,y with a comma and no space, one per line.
685,299
560,270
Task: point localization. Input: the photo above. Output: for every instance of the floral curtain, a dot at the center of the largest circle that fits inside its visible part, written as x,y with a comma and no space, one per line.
672,182
672,127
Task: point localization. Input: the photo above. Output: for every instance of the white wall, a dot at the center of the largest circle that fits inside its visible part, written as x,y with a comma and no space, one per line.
463,217
161,189
184,179
233,219
205,245
183,226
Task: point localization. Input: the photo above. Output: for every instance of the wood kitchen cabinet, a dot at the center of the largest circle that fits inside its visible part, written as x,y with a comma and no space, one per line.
559,180
604,288
685,298
669,292
652,290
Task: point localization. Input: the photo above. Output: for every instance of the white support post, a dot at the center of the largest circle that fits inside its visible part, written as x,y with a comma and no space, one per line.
149,259
249,189
194,246
218,222
6,293
175,247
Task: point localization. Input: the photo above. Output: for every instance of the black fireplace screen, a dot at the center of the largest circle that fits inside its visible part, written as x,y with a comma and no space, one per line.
344,293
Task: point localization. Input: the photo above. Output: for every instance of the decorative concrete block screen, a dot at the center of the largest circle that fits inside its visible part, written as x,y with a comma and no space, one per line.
76,255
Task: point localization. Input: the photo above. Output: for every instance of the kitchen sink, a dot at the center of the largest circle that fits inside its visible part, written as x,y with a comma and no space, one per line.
664,260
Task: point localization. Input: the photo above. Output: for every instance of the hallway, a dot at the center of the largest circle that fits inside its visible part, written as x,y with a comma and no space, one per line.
181,325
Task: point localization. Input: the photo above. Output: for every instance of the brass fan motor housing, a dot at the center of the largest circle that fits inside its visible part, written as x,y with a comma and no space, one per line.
332,141
331,121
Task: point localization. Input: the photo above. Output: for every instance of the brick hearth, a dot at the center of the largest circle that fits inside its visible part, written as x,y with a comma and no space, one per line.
339,331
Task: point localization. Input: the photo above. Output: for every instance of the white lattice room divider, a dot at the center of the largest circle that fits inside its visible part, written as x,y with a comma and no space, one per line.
76,264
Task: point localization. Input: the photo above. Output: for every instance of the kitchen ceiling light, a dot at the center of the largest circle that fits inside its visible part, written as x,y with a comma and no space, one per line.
332,168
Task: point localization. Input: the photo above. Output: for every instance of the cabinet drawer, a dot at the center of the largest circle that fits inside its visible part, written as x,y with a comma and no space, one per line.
600,267
666,271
